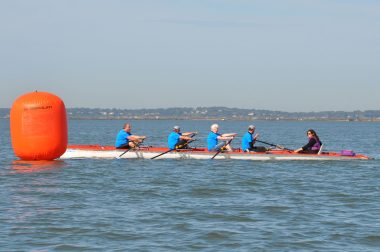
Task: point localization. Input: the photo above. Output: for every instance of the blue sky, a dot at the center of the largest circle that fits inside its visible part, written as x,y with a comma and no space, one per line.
289,55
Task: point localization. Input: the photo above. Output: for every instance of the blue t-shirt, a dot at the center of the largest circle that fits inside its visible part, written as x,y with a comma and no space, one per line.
212,140
122,138
173,139
247,138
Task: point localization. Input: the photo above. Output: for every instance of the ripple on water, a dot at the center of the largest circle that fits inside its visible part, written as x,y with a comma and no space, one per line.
219,235
75,247
207,192
372,240
121,235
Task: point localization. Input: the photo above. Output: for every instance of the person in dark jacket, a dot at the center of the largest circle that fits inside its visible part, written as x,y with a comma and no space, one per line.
313,145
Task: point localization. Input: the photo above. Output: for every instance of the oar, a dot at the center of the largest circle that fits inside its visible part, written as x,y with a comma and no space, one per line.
127,150
170,150
219,151
123,153
192,135
274,145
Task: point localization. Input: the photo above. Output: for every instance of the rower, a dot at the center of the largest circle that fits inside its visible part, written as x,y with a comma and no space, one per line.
214,137
178,140
249,140
125,139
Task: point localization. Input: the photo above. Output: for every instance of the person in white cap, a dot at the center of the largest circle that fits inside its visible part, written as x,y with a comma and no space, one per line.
214,137
178,140
248,139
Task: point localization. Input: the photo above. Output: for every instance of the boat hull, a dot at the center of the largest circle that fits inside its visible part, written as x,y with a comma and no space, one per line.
108,152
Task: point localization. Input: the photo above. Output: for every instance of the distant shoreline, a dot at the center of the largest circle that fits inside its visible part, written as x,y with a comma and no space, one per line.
215,119
213,114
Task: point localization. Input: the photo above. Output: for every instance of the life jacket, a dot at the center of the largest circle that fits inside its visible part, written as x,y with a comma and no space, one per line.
317,145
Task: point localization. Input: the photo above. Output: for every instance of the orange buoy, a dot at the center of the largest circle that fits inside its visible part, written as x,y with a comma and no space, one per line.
38,126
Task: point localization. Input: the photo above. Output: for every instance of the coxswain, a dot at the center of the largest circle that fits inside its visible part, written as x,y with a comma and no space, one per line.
314,144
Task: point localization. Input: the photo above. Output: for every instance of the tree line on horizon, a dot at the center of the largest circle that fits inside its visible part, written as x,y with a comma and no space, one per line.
212,113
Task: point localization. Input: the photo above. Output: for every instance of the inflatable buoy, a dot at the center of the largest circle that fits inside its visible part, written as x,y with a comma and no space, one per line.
38,126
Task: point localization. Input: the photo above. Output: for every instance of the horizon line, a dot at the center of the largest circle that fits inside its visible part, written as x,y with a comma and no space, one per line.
165,108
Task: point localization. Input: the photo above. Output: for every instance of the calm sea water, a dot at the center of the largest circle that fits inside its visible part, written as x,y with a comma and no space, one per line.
194,205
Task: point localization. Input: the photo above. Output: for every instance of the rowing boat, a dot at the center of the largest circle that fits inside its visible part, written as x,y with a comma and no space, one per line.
98,151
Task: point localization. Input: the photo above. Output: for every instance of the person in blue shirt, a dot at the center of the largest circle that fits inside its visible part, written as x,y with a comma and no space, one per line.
178,140
249,140
125,139
214,137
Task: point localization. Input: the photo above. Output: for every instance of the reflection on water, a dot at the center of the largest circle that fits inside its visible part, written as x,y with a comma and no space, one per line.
31,195
21,166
